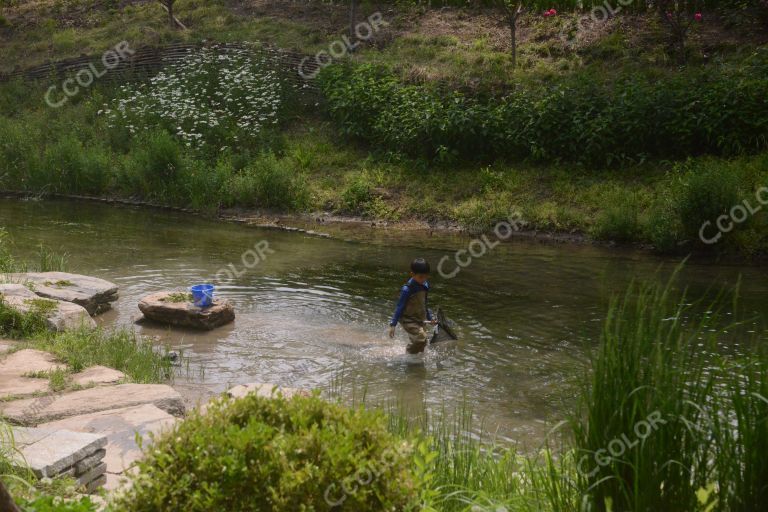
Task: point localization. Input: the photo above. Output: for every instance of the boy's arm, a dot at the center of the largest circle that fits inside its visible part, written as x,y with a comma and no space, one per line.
405,294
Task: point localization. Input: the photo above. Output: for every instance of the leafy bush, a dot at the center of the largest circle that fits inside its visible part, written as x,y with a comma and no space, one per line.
54,504
269,182
706,191
576,119
620,220
265,454
216,97
357,194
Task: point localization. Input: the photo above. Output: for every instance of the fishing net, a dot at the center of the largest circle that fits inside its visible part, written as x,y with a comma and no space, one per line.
444,328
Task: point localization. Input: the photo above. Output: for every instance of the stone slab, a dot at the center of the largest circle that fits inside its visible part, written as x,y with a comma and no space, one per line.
15,366
98,375
28,361
265,390
158,308
50,452
90,462
92,474
120,426
97,484
92,293
16,290
33,411
65,316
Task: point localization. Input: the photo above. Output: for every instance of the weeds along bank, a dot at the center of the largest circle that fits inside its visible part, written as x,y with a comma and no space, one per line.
631,160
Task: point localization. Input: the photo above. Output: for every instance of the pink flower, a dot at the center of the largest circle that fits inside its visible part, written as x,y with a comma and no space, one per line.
546,14
552,12
669,15
698,16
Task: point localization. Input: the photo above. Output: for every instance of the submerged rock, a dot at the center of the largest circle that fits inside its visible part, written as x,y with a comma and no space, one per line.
92,293
172,308
59,315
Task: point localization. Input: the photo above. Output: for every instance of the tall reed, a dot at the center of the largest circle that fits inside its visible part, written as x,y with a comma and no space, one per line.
642,435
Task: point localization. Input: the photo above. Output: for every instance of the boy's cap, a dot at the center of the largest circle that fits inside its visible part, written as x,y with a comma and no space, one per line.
420,266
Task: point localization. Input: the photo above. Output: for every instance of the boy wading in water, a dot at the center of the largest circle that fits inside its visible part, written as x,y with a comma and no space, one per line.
412,310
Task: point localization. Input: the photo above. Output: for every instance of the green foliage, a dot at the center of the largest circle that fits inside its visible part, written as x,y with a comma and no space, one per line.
620,220
743,435
215,97
266,454
649,370
15,324
55,504
268,182
120,349
577,119
705,192
156,163
357,194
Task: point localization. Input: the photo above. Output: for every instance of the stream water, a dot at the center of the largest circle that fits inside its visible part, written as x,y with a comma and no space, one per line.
316,308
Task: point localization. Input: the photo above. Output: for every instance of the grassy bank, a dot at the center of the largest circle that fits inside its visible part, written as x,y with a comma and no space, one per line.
308,166
603,136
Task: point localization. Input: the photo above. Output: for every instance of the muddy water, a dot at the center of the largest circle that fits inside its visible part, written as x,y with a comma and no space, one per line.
317,308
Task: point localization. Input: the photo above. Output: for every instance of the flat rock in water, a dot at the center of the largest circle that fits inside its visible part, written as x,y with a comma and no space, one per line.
120,426
51,452
59,315
15,370
265,390
92,293
160,308
97,375
33,411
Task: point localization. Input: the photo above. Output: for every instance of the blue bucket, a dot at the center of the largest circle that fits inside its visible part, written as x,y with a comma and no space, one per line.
202,294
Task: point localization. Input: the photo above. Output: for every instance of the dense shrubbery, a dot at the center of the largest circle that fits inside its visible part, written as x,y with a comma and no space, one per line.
281,455
577,119
215,98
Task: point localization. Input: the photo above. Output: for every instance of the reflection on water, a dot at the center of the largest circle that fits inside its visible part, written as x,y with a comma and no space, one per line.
316,306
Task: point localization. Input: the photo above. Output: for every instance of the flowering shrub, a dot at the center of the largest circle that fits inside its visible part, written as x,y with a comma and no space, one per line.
214,97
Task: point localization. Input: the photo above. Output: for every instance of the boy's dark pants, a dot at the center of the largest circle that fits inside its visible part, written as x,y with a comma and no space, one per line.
417,335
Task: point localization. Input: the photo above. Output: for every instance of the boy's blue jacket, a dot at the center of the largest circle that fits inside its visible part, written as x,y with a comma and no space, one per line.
408,289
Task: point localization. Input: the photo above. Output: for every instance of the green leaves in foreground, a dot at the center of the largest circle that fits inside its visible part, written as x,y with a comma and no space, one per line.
259,454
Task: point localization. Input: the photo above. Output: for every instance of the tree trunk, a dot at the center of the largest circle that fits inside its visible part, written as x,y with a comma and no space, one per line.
169,4
352,19
513,35
6,502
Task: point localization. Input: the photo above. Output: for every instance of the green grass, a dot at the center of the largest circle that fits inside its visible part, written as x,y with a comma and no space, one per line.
122,350
178,297
312,168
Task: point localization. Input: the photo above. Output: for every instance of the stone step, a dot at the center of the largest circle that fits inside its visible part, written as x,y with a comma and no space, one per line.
14,366
51,451
120,426
33,411
97,375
